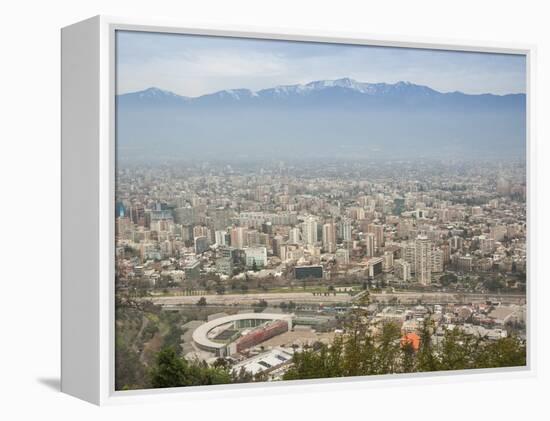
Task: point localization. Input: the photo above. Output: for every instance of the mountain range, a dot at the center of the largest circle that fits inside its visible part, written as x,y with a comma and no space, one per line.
325,118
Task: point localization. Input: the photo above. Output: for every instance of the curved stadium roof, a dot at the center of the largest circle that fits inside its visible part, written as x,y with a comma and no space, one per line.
200,334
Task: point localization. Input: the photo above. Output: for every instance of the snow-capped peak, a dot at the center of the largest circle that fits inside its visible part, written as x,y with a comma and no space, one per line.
237,93
156,92
346,82
341,83
286,91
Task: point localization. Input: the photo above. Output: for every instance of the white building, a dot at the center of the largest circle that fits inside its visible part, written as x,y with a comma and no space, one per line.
423,260
388,261
346,229
309,229
329,237
370,240
221,238
403,270
256,255
294,236
342,256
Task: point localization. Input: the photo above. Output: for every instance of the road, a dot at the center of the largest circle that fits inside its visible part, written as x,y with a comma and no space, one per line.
308,298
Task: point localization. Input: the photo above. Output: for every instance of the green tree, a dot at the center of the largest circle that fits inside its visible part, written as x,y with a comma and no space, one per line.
170,370
426,358
360,352
458,350
314,364
261,304
494,283
389,349
408,358
505,352
448,278
173,337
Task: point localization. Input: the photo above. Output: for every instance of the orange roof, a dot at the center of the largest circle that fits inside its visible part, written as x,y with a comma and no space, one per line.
411,338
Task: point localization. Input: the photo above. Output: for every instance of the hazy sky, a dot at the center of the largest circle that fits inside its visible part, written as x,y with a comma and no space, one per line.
195,65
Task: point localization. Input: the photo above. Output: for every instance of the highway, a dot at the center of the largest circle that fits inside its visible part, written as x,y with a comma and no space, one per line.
308,298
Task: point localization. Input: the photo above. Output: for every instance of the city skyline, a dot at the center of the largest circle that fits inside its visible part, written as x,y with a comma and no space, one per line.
247,267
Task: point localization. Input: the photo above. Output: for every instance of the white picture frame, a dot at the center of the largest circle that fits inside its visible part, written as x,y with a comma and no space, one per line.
88,163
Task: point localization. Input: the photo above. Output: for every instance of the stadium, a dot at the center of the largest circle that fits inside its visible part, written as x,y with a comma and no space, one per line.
232,334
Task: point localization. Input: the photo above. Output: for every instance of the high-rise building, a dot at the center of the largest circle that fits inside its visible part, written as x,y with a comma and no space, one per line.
463,263
187,233
456,243
238,237
388,261
423,260
294,236
137,215
201,244
252,238
166,248
446,249
276,244
329,237
370,240
437,261
403,270
342,257
346,229
221,238
375,266
357,213
309,230
283,252
378,231
201,231
225,259
267,227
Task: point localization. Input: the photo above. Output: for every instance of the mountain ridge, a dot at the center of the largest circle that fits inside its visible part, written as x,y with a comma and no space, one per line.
325,118
281,91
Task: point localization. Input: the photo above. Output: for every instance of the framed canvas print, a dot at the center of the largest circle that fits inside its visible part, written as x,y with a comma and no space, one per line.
246,210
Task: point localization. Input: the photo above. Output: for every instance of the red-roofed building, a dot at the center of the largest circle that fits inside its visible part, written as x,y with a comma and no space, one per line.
411,338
